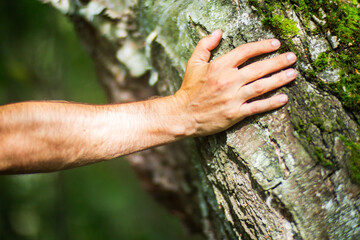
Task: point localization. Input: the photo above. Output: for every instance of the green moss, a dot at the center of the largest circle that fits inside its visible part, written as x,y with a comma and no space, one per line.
354,161
342,18
317,121
299,129
310,74
322,160
348,89
285,27
300,126
322,124
322,62
254,3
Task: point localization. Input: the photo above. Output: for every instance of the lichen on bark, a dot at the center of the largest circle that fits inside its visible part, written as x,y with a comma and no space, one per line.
286,174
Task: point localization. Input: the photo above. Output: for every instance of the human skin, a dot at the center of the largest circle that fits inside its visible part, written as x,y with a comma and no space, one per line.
51,136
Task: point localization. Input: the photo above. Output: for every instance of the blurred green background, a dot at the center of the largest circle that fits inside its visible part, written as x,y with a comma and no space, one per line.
41,58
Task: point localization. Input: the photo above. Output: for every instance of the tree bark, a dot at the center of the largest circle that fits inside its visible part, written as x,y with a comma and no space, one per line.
287,174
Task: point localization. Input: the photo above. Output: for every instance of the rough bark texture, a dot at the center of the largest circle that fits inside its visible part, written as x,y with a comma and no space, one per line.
287,174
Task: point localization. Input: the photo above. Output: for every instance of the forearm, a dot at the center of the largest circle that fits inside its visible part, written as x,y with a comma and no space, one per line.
48,136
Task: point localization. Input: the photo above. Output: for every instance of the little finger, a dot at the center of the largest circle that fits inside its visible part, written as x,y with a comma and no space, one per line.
264,105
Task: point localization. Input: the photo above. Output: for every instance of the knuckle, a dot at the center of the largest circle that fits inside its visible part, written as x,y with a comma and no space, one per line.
211,80
192,60
276,61
213,67
279,60
283,60
220,85
280,79
231,114
258,88
202,41
271,104
254,109
245,50
257,71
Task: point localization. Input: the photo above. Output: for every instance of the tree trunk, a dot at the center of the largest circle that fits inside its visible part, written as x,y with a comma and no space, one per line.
288,174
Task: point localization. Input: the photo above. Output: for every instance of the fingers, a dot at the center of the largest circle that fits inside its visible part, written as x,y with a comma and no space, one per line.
202,50
242,53
259,69
263,105
264,85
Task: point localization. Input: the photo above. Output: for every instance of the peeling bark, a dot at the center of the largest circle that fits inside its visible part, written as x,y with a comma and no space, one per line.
280,175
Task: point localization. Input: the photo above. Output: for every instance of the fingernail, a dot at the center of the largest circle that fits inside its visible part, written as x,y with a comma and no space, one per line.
290,73
291,57
275,43
283,99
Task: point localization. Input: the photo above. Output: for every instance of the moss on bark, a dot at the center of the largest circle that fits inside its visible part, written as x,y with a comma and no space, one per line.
341,18
280,175
327,20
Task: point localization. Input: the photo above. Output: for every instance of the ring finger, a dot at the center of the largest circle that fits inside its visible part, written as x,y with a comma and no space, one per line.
265,85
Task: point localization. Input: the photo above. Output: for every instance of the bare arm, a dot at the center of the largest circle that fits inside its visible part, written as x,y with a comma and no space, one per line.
49,136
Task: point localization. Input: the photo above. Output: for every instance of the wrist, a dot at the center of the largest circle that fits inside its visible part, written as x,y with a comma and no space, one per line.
185,123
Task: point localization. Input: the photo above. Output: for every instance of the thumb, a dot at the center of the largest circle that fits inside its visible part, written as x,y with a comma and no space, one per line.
202,50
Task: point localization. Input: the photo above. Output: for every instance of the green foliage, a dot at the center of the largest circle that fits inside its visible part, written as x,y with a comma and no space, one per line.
37,57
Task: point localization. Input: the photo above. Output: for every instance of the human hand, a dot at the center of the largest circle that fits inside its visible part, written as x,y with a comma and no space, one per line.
214,96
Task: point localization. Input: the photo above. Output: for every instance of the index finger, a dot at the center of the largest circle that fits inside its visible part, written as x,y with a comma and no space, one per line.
241,54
